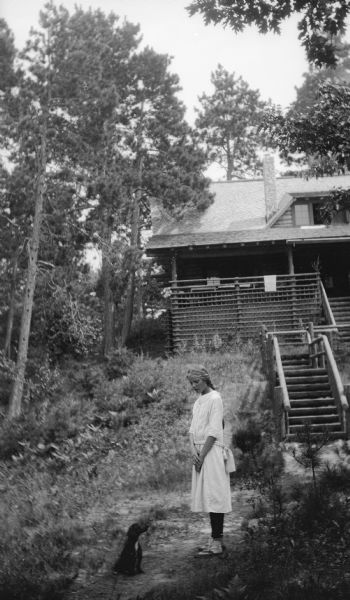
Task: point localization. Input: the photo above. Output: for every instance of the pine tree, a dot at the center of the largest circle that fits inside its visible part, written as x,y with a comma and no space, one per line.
228,121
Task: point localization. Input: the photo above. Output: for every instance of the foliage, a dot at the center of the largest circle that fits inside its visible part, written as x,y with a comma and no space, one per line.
300,555
320,20
7,368
307,94
228,121
93,127
66,319
307,453
68,458
249,439
337,202
149,336
322,131
119,362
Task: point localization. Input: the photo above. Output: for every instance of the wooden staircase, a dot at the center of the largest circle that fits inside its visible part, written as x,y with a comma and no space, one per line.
307,387
341,311
310,397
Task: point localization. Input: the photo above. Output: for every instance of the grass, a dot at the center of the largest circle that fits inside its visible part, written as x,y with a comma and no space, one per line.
88,448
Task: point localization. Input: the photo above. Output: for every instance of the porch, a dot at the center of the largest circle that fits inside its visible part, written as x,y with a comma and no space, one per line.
227,307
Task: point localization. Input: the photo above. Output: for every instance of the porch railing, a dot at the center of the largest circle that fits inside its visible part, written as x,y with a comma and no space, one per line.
203,308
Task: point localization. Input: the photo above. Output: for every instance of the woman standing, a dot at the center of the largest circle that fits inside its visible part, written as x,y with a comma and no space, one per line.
210,477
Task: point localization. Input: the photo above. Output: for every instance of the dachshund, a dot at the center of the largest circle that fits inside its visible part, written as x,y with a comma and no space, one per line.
129,561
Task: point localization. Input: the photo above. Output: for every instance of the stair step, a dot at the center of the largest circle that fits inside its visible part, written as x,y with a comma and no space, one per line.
308,379
310,386
314,419
332,435
324,401
312,410
339,299
294,395
295,361
304,372
299,365
318,427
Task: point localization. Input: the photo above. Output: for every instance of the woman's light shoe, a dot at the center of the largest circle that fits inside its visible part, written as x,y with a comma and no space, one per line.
214,547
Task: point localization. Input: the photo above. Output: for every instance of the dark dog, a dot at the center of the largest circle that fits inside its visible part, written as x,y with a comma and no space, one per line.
129,561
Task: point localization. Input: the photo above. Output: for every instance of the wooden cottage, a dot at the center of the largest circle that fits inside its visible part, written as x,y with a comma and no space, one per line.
260,254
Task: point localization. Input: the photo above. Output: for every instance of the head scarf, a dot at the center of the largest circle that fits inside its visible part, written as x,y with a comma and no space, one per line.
198,371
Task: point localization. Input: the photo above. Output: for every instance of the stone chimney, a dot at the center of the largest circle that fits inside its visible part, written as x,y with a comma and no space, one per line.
270,185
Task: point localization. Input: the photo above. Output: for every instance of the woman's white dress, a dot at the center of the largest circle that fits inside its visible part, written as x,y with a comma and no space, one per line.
211,486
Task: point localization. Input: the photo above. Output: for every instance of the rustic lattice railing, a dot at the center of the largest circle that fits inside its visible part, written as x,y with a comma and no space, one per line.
203,308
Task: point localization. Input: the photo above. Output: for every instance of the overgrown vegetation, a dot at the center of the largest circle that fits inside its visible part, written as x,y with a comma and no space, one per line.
91,436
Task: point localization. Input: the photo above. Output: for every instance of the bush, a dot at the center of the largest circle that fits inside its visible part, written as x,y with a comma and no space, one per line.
7,368
42,381
149,336
119,362
248,439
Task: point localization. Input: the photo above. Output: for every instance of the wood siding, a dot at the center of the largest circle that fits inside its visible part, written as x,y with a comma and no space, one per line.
285,220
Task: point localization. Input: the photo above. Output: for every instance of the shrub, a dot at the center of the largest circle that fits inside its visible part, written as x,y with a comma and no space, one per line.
248,439
42,381
149,336
119,362
7,368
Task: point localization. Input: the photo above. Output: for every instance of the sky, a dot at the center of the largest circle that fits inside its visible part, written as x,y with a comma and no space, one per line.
274,64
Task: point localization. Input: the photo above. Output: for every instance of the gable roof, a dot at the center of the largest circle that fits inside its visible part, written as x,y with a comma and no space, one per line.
238,212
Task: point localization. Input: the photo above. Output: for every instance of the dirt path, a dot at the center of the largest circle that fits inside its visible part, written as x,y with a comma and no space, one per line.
169,550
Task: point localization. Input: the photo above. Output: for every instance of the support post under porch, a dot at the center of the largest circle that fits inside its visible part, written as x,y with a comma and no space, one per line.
290,260
173,302
293,283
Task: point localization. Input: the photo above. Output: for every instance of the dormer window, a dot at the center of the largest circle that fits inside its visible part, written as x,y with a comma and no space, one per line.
308,213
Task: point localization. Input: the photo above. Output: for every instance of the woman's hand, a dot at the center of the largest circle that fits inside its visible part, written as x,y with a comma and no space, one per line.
197,461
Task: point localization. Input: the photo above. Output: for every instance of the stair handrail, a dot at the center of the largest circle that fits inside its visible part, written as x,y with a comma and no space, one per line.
280,371
334,376
317,356
326,306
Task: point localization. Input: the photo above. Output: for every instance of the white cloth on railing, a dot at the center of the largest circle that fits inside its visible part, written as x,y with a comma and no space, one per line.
270,283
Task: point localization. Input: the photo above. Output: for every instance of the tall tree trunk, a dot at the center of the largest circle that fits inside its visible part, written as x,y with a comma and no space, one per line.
134,243
12,302
108,307
134,240
33,250
139,299
229,163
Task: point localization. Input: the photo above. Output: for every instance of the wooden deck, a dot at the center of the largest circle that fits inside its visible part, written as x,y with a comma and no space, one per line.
202,309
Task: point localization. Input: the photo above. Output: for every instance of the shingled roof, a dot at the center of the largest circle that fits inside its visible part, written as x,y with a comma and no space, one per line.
238,215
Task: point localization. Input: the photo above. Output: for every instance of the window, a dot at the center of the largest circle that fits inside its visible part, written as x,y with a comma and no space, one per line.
309,213
318,218
301,214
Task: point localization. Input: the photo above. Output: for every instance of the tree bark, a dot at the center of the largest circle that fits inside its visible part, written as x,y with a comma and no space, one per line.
108,308
12,302
33,250
134,243
230,162
134,239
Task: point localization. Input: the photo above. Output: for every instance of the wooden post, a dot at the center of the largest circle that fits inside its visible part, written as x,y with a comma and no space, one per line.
346,413
313,348
173,270
173,302
279,413
293,286
238,302
311,331
290,260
